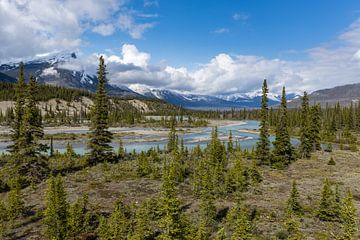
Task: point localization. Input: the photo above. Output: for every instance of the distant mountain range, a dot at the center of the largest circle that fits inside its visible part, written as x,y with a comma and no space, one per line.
196,101
341,94
50,70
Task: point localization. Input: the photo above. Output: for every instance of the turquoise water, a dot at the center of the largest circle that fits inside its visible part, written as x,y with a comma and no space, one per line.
201,137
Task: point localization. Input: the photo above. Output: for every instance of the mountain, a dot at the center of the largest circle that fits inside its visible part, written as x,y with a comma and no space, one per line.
343,95
195,101
49,70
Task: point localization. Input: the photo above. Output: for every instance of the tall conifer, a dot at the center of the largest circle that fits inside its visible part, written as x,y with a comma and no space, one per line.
100,136
263,145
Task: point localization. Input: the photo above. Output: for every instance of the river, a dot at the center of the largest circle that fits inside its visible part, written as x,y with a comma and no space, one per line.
142,139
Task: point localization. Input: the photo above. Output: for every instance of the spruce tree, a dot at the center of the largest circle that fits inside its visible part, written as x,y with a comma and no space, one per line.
283,153
348,218
78,219
230,144
16,205
172,224
32,127
241,225
327,211
118,224
100,136
305,141
263,145
56,212
17,121
315,127
293,202
220,235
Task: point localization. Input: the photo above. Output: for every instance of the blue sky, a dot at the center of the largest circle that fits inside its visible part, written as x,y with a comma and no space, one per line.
217,47
185,31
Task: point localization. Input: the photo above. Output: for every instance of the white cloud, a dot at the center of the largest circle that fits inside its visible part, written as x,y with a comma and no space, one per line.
241,17
136,30
221,30
151,3
30,27
104,29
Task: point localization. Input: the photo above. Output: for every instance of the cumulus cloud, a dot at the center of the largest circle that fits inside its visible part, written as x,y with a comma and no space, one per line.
326,66
104,29
30,27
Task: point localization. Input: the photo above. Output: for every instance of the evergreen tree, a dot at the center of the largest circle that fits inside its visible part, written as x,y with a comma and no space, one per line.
230,145
220,235
117,226
173,138
292,225
16,204
32,127
263,145
17,121
293,202
172,223
283,151
100,136
315,127
142,228
56,212
348,218
78,219
242,228
121,150
305,141
327,211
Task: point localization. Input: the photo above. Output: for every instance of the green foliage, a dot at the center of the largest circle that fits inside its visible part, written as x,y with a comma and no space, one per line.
16,205
117,226
305,130
327,209
78,219
100,136
293,203
56,212
283,153
263,145
331,161
238,223
172,222
348,218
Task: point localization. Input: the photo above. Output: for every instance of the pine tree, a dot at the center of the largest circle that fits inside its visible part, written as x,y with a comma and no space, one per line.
293,202
173,138
18,112
242,228
78,218
327,211
315,127
292,225
100,136
117,226
32,127
283,151
263,145
16,205
56,212
142,228
348,218
230,145
121,150
172,223
3,219
305,141
220,235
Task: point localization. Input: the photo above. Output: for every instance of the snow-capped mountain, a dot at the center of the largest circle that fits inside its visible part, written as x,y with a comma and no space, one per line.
49,69
195,101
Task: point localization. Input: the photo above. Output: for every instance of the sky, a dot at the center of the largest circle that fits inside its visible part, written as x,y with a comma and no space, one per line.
215,47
